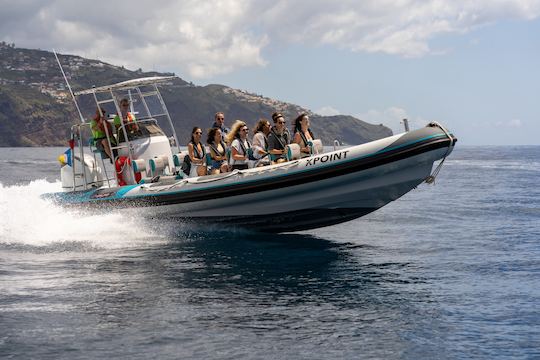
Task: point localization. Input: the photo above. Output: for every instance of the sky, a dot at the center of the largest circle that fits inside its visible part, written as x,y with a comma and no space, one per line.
473,66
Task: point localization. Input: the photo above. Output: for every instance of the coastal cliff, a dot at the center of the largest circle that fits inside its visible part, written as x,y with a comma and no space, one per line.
36,108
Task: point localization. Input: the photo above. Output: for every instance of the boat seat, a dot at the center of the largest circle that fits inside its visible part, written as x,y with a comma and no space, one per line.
92,145
95,149
157,164
272,157
292,152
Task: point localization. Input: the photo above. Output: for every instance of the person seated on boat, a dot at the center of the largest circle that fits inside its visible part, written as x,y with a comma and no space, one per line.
278,138
197,153
260,142
218,152
128,121
303,134
238,141
97,125
219,122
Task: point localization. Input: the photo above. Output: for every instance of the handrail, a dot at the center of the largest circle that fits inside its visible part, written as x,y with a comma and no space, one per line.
77,132
431,178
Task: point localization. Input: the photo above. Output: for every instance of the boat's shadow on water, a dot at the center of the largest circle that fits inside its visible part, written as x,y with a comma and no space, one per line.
298,267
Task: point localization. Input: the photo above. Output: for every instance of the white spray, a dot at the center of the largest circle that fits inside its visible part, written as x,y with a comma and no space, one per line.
28,220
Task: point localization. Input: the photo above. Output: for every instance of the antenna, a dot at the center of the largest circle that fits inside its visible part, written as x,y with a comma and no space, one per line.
69,87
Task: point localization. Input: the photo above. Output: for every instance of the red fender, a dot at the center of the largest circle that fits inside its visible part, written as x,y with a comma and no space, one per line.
119,165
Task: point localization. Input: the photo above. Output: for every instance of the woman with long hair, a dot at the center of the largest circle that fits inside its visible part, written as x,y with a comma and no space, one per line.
260,141
237,139
197,153
303,134
218,152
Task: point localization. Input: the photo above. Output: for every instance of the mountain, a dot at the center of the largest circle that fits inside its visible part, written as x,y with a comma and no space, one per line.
36,108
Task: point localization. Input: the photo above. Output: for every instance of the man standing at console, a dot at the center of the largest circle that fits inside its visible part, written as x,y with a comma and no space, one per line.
125,119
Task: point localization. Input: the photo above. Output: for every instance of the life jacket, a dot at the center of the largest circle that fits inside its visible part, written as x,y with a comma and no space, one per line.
244,150
219,153
304,138
129,117
100,134
196,152
285,135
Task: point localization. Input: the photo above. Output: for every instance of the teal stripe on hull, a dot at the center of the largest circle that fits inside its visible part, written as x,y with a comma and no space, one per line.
120,193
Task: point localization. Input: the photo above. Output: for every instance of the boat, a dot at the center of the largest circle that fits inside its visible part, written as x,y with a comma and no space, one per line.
325,188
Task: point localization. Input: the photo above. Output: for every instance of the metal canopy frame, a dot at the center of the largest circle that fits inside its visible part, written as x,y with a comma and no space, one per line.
129,86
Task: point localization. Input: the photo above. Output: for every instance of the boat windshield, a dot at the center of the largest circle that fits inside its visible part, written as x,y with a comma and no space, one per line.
145,129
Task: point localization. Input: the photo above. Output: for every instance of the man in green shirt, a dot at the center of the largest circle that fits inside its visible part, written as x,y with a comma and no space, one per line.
97,124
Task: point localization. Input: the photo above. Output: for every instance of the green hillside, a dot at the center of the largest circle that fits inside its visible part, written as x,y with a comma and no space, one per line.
36,108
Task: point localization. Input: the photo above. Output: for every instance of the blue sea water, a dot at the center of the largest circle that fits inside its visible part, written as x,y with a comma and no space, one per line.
450,271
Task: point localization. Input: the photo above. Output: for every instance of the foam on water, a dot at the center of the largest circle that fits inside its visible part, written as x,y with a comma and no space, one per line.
29,220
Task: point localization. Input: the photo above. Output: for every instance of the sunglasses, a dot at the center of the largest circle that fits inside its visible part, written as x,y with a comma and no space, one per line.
221,118
198,133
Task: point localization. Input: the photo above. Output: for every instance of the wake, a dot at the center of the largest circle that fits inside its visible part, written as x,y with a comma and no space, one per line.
26,220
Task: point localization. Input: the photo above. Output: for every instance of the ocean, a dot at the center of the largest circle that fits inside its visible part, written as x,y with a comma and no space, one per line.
450,271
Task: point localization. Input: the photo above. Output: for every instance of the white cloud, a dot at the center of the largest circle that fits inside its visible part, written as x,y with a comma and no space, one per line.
201,39
327,111
392,118
512,124
205,38
401,27
515,123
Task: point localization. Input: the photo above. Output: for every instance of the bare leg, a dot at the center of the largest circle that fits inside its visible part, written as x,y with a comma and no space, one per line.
105,144
224,168
201,170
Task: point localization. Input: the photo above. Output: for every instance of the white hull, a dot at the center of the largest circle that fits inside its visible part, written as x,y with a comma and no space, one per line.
312,192
371,188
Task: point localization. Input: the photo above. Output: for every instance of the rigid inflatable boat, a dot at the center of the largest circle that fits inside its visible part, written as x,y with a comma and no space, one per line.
325,188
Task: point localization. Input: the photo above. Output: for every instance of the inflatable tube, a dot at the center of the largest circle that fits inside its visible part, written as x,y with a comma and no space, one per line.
292,151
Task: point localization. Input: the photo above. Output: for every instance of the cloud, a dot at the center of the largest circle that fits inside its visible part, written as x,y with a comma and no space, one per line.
201,39
327,111
398,27
511,124
515,123
392,118
206,38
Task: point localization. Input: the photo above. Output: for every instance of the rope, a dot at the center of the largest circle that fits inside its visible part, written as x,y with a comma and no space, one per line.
149,188
190,181
203,181
431,178
193,181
